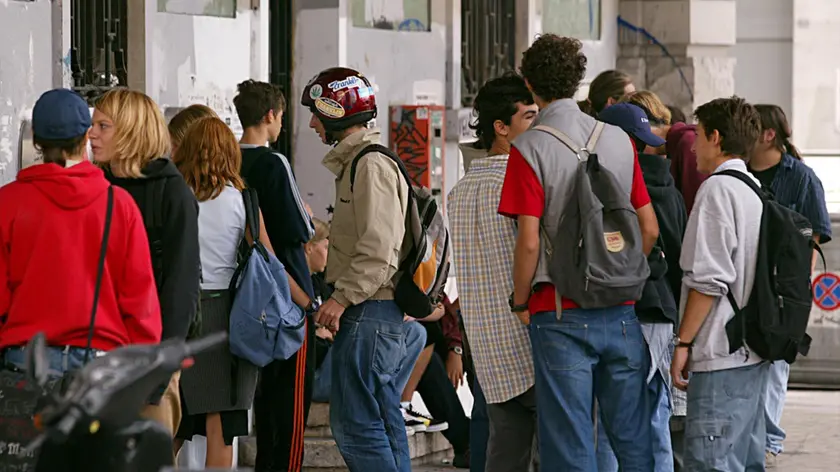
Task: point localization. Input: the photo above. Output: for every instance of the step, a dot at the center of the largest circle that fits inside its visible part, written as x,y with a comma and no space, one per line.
322,455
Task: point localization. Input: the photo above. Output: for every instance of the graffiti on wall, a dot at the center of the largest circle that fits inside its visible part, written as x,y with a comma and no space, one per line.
411,141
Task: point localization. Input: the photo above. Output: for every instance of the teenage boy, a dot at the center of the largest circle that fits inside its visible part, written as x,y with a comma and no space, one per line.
727,392
578,353
374,349
483,243
284,392
657,309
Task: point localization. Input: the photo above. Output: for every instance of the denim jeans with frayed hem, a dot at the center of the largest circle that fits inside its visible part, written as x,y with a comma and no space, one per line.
372,359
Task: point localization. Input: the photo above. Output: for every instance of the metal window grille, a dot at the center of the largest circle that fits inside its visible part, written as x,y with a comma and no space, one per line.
281,15
99,36
488,43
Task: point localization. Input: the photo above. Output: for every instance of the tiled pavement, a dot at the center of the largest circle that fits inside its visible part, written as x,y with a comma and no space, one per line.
812,422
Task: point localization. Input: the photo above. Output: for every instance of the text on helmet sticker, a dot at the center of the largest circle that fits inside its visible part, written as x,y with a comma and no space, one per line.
316,91
349,82
329,107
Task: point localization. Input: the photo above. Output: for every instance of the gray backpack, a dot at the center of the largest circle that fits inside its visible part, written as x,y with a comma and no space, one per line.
600,262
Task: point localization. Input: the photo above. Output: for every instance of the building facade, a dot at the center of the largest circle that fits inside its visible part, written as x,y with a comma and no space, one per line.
417,52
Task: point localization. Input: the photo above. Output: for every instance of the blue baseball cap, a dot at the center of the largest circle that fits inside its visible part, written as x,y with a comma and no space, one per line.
633,120
60,114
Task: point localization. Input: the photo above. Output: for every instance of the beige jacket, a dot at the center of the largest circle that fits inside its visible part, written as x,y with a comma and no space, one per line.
368,225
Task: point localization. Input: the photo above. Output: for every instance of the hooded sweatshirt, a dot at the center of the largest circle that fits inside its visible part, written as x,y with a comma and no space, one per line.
51,227
679,143
170,213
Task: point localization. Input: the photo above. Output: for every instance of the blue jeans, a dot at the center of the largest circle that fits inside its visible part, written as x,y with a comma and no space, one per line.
725,430
61,360
371,364
660,430
776,393
415,339
599,353
479,428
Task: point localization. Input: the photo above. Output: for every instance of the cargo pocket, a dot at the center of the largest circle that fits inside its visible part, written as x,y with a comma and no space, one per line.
388,353
707,445
562,346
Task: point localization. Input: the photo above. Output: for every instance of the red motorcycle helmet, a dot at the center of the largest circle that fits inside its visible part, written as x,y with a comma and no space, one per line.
340,98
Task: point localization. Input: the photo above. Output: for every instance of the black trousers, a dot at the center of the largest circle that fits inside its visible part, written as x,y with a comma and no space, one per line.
440,396
281,408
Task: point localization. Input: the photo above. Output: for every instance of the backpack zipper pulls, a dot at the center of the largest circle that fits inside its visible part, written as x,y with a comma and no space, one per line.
781,302
265,326
586,285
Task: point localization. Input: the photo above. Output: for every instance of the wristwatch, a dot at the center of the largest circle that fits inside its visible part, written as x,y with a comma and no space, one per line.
457,350
680,343
517,308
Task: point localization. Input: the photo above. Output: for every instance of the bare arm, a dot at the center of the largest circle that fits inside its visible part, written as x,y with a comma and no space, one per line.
299,296
649,226
526,256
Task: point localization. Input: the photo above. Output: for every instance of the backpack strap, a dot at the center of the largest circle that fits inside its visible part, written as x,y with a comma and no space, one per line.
252,212
746,179
385,151
565,139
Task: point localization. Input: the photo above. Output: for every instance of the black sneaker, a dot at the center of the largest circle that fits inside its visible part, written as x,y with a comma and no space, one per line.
432,425
412,425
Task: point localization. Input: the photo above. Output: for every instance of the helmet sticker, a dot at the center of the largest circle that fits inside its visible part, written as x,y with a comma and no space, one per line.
349,82
329,107
316,91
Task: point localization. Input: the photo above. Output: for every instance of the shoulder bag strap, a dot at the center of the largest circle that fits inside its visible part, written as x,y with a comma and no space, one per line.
252,212
100,269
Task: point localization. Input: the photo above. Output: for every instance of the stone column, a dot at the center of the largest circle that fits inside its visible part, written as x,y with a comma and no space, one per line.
698,36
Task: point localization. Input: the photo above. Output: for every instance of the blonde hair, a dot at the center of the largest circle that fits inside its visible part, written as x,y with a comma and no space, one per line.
180,123
209,158
651,104
322,231
140,133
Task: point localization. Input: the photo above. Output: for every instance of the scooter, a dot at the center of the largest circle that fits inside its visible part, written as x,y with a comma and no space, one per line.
95,425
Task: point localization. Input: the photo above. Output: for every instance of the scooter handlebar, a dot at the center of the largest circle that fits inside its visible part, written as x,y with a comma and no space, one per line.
206,343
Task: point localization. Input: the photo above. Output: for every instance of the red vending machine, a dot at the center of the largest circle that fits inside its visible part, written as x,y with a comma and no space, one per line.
417,136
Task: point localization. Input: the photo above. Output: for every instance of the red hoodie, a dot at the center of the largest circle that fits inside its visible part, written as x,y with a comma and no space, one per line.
679,144
51,223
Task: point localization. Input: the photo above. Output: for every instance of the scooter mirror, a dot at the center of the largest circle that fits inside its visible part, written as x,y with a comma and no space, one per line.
37,362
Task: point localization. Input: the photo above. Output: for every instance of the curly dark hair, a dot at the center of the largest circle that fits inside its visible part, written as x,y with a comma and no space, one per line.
496,100
255,99
554,66
738,123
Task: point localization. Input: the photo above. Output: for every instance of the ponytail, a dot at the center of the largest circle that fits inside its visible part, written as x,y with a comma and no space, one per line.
791,149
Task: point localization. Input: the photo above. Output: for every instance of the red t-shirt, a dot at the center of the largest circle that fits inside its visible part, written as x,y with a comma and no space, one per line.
523,195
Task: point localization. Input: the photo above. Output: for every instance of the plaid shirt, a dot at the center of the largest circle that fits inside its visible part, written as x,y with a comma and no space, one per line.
483,243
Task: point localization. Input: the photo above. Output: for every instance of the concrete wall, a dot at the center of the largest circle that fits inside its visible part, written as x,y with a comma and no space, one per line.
764,52
816,74
200,59
33,59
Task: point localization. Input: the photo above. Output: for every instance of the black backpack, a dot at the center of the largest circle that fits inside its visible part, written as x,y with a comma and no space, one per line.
423,272
153,219
775,318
